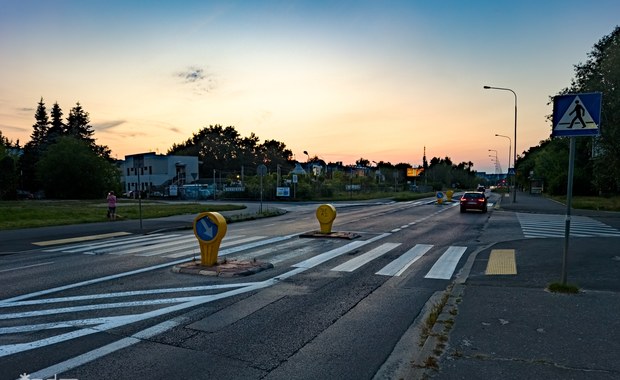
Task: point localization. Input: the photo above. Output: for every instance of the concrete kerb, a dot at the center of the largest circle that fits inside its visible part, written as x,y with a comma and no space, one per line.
426,360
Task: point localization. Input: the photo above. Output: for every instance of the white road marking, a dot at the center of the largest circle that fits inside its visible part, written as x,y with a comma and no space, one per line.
26,267
367,257
323,257
445,266
398,266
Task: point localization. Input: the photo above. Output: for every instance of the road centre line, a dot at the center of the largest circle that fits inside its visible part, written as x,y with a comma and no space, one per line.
126,342
124,294
57,325
192,302
106,306
84,247
138,271
107,349
80,238
26,267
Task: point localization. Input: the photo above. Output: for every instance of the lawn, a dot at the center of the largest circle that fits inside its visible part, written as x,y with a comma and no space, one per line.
35,213
592,203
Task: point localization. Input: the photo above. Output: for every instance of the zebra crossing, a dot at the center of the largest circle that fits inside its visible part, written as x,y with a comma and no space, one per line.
553,225
178,246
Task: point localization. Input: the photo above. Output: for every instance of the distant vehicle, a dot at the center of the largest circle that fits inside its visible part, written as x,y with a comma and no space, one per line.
481,188
474,201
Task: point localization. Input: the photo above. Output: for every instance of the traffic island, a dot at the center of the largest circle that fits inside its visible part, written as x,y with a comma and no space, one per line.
225,268
326,214
339,235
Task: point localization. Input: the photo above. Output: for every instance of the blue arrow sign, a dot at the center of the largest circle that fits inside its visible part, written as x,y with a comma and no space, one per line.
577,114
206,229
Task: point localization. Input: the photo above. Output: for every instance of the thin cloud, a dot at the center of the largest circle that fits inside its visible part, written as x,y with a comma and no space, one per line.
108,124
198,78
12,128
192,75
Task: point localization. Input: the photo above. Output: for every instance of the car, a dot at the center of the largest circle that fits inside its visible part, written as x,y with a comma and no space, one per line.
473,200
481,189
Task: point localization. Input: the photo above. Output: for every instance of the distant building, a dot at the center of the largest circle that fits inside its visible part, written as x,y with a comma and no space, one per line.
157,174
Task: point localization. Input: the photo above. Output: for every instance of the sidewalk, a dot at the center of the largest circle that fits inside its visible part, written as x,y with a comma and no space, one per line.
511,327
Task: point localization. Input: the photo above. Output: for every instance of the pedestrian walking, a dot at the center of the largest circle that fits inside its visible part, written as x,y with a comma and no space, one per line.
111,205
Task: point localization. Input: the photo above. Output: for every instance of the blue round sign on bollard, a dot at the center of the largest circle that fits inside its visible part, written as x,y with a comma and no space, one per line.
206,229
439,197
209,229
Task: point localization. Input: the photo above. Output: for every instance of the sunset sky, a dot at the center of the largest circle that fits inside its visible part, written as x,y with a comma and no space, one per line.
342,80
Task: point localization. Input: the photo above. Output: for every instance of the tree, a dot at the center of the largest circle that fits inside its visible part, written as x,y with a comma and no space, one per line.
40,128
57,127
34,148
224,149
601,73
78,125
275,153
69,169
8,170
362,162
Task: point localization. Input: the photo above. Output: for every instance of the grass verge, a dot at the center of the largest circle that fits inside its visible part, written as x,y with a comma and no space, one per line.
592,203
29,214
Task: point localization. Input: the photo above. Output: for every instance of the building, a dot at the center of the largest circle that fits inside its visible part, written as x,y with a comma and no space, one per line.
157,174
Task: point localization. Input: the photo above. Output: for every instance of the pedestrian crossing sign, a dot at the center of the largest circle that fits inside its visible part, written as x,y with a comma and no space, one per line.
577,114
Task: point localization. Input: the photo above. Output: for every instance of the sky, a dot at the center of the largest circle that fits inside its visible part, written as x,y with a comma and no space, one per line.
341,80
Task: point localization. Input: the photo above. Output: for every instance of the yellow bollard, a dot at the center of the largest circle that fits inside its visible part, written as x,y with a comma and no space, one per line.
209,229
439,197
326,215
449,194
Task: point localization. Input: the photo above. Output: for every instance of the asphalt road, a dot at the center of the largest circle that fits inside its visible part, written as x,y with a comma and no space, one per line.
329,307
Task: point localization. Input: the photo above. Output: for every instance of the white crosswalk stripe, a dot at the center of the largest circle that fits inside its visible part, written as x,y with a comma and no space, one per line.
398,266
367,257
244,247
170,245
553,225
445,266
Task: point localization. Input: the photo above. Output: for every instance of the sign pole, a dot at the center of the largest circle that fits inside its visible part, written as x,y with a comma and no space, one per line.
574,115
569,201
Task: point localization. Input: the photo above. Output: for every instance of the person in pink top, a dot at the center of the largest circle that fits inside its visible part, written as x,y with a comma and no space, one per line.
111,205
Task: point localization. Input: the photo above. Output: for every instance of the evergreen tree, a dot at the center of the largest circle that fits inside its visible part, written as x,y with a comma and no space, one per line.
78,125
40,128
35,147
8,169
57,127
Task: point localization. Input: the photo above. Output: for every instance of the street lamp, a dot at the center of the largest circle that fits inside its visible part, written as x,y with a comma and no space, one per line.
514,193
509,147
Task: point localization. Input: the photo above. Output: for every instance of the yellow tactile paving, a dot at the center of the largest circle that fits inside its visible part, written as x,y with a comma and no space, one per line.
80,238
501,261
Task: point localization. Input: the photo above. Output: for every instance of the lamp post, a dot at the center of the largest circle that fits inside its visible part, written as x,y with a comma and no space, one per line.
509,152
509,147
514,193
